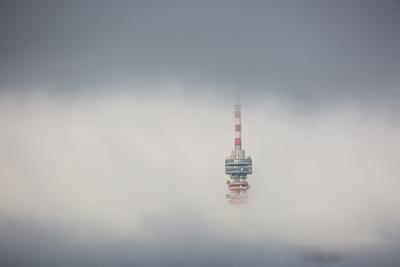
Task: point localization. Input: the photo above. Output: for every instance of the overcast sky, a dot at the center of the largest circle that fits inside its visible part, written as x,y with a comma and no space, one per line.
116,118
304,49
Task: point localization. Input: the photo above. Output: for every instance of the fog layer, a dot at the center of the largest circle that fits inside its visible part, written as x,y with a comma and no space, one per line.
125,179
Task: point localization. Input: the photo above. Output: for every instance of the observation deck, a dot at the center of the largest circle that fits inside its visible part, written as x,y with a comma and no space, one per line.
238,168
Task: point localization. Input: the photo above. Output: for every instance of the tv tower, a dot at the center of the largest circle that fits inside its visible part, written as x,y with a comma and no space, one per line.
237,165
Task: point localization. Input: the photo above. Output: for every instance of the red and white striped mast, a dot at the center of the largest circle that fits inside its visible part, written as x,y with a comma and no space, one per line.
238,129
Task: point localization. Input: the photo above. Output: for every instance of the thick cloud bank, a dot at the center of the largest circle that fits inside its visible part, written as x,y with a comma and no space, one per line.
132,180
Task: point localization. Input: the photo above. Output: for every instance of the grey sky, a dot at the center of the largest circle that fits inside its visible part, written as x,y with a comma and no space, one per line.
304,49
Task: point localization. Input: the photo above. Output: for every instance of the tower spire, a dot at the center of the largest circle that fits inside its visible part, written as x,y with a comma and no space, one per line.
237,165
